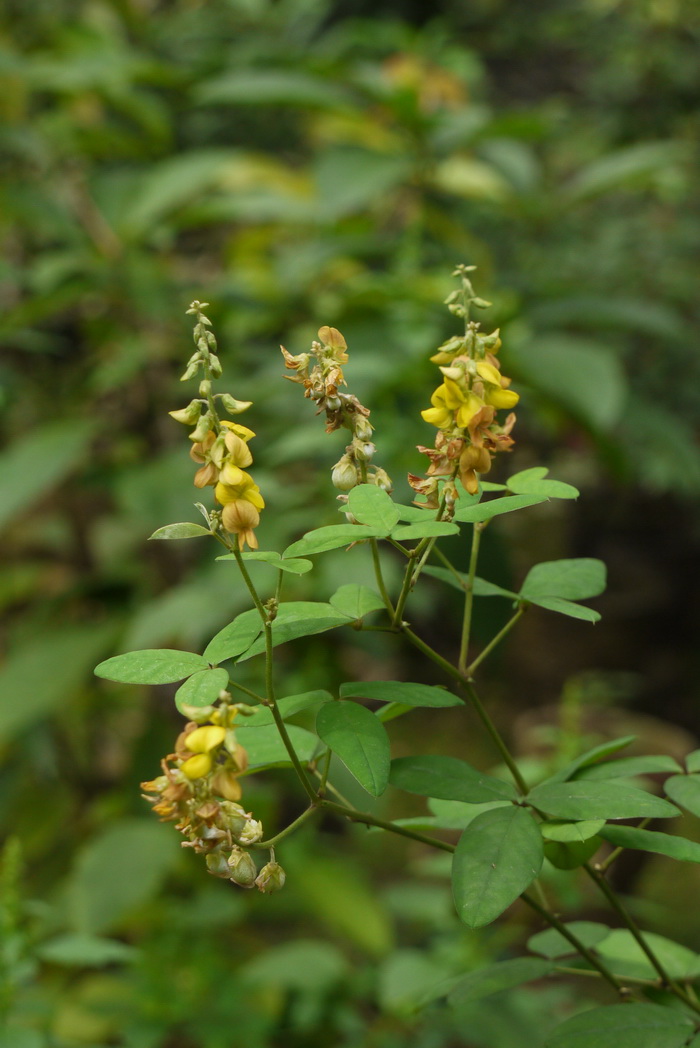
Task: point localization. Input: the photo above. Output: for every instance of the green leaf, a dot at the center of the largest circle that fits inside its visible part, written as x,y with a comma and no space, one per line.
553,944
371,505
202,688
117,871
32,466
571,831
459,579
415,514
360,740
684,790
456,815
423,530
288,706
590,757
623,1026
629,767
575,579
85,951
692,761
181,531
626,957
482,588
494,978
399,691
581,800
47,672
332,537
448,778
532,482
235,638
628,165
498,856
304,965
408,979
299,619
650,840
294,565
494,508
265,748
571,855
254,86
356,601
567,607
151,666
12,1036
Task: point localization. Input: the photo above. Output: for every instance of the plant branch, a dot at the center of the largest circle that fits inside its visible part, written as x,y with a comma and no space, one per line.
495,640
469,600
382,824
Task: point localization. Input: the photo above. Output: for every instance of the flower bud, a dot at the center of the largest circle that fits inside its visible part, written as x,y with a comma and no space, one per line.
189,415
362,427
202,428
204,387
232,816
344,474
233,406
242,869
271,878
382,479
251,833
199,714
364,450
217,865
215,365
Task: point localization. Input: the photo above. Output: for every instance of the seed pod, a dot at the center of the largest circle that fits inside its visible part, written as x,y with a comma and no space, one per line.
242,869
271,878
233,406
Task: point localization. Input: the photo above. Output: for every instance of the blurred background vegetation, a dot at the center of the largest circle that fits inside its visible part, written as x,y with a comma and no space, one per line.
298,163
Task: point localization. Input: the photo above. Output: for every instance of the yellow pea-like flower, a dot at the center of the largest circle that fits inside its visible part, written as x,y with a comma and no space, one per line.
206,738
198,766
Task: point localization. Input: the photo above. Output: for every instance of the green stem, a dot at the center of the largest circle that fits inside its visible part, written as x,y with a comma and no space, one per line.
380,577
603,867
450,566
304,817
246,691
494,641
406,587
382,824
566,970
469,600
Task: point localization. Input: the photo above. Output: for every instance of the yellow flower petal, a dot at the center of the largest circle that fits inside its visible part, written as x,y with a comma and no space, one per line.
472,404
439,417
241,431
488,372
204,739
502,398
197,767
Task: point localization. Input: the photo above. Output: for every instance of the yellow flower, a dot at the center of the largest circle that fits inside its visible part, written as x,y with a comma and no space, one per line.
204,739
501,398
243,489
240,518
240,431
197,766
452,404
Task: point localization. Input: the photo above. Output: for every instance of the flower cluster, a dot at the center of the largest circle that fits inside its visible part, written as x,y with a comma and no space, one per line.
321,374
220,447
464,406
199,791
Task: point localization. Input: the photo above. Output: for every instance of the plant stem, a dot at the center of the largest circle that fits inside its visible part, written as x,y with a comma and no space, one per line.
494,641
603,867
372,820
406,587
469,600
272,841
495,735
450,566
374,546
246,691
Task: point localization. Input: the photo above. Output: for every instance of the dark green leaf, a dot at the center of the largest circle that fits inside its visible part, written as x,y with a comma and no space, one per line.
623,1026
399,691
265,748
235,638
294,565
271,87
573,579
625,956
571,855
553,944
532,482
583,800
571,831
498,856
424,529
494,508
692,761
590,757
567,607
459,579
151,666
456,815
88,951
650,840
299,619
332,537
629,767
497,977
371,505
360,740
415,514
202,688
181,531
449,778
684,790
288,706
356,601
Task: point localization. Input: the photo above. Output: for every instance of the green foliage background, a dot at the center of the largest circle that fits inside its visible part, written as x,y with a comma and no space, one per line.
298,163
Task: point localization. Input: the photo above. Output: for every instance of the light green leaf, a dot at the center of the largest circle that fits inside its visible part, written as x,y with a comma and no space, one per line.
684,790
571,831
569,855
372,505
399,691
294,565
692,761
117,871
265,748
45,672
581,800
650,840
408,978
265,86
425,529
495,507
449,778
494,978
456,815
415,514
498,856
574,579
567,607
173,182
623,1026
629,767
590,757
360,740
304,965
288,706
85,951
631,165
12,1036
333,536
458,580
625,956
180,531
299,618
551,943
349,179
356,601
151,666
33,465
201,689
532,482
235,638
